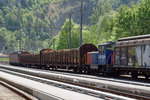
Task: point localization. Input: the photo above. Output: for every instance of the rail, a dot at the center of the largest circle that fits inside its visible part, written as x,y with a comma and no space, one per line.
4,62
19,92
70,87
83,83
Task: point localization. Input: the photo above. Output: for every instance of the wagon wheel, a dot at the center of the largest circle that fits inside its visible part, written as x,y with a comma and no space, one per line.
85,69
146,76
116,73
75,69
55,68
79,70
134,74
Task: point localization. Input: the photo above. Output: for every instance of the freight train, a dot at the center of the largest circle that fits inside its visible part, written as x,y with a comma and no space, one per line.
129,55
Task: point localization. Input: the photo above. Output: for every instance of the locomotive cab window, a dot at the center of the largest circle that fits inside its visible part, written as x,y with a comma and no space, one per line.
101,49
109,47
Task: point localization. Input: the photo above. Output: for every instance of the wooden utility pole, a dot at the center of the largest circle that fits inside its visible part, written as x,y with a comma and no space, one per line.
69,30
19,41
54,44
69,40
81,22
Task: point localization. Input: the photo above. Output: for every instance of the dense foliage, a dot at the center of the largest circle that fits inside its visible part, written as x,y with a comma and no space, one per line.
25,25
134,20
28,24
110,23
62,39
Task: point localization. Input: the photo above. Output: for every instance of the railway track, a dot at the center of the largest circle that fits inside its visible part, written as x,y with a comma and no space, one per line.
72,87
9,92
140,82
76,83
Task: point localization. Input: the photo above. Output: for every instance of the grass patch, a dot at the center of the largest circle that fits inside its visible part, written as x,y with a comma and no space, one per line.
4,59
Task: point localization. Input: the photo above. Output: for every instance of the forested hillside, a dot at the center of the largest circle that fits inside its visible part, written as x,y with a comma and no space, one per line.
25,25
110,20
33,24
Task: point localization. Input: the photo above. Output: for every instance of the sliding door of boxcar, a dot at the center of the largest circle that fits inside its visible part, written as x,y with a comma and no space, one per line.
135,56
146,56
117,56
131,56
123,56
138,62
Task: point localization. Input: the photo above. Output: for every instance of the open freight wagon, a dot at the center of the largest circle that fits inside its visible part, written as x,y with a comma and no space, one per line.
67,59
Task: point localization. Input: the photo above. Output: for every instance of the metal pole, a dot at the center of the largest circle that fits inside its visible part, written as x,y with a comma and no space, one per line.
53,44
11,43
19,42
70,30
81,23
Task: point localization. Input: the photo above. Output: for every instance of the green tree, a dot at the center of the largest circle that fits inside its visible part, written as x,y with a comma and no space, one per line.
24,3
105,27
143,14
103,17
63,36
2,40
6,10
103,7
11,21
134,20
1,20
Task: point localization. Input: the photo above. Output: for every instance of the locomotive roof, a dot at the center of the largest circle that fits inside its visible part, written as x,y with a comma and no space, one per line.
16,52
135,37
109,43
134,41
19,52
